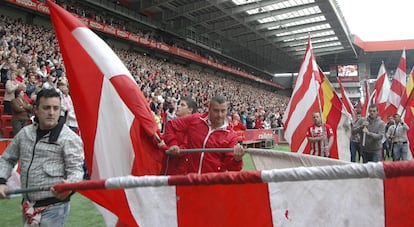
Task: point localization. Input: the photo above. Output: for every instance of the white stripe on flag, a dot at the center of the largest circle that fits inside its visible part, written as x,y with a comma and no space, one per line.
103,56
153,206
110,157
349,202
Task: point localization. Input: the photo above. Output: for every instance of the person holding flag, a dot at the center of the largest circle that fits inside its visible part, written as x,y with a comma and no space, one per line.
371,130
320,136
210,130
49,153
397,133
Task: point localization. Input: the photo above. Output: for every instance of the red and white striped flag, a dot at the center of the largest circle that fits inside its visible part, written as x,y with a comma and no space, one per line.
345,99
397,87
373,194
382,91
115,121
314,93
367,100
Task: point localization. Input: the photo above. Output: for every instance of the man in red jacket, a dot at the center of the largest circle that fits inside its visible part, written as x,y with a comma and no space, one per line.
210,130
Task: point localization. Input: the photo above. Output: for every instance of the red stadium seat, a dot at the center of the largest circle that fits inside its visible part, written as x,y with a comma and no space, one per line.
8,132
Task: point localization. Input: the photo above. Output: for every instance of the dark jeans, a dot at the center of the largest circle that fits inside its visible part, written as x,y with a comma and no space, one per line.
354,148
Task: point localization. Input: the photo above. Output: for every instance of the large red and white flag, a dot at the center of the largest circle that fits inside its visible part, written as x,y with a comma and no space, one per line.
314,93
116,124
373,194
345,99
382,91
397,87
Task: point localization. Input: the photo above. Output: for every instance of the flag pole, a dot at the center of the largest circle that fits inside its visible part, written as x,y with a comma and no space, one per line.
27,190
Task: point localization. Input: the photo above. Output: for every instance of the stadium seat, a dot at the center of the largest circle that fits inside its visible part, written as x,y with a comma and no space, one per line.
1,110
6,120
2,92
8,132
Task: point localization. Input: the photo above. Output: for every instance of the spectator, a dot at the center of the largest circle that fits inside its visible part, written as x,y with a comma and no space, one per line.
397,133
320,136
178,164
59,156
11,85
21,110
210,130
371,130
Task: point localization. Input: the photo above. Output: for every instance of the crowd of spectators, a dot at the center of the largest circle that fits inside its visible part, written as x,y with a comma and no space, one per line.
32,54
134,27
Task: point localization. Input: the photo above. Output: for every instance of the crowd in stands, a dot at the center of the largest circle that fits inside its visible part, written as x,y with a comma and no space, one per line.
30,59
134,27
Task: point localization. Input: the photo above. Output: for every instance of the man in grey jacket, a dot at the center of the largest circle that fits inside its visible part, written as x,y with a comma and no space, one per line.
49,153
372,133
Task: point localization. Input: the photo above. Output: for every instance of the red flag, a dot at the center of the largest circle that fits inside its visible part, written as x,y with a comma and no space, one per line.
115,121
382,193
397,87
382,91
366,100
345,100
314,93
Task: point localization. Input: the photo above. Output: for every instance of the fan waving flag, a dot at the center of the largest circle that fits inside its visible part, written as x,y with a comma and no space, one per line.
116,124
314,93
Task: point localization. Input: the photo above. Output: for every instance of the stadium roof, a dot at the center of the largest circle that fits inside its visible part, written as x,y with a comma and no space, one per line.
269,35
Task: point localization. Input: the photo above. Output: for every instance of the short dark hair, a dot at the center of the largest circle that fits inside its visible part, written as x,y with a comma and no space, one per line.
373,106
190,103
218,99
47,93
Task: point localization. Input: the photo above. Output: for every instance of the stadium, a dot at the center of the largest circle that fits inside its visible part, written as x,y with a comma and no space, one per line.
253,53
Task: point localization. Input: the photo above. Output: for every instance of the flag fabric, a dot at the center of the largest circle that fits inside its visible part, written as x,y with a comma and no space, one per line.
382,91
367,100
345,99
408,113
397,87
373,194
314,93
115,121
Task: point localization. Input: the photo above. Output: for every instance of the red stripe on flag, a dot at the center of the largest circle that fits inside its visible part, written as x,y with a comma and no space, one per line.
216,178
148,157
211,205
399,199
85,87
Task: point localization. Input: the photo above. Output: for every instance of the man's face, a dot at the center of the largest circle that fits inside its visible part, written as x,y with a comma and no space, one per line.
183,110
217,113
373,112
317,119
48,112
397,118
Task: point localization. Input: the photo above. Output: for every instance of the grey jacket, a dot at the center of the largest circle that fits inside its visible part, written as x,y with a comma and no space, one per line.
375,136
44,163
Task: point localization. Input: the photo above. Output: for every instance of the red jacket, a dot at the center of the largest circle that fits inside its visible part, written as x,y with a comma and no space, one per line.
199,135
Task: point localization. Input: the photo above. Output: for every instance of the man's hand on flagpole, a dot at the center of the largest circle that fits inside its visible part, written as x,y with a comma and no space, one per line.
173,150
238,152
3,190
61,195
